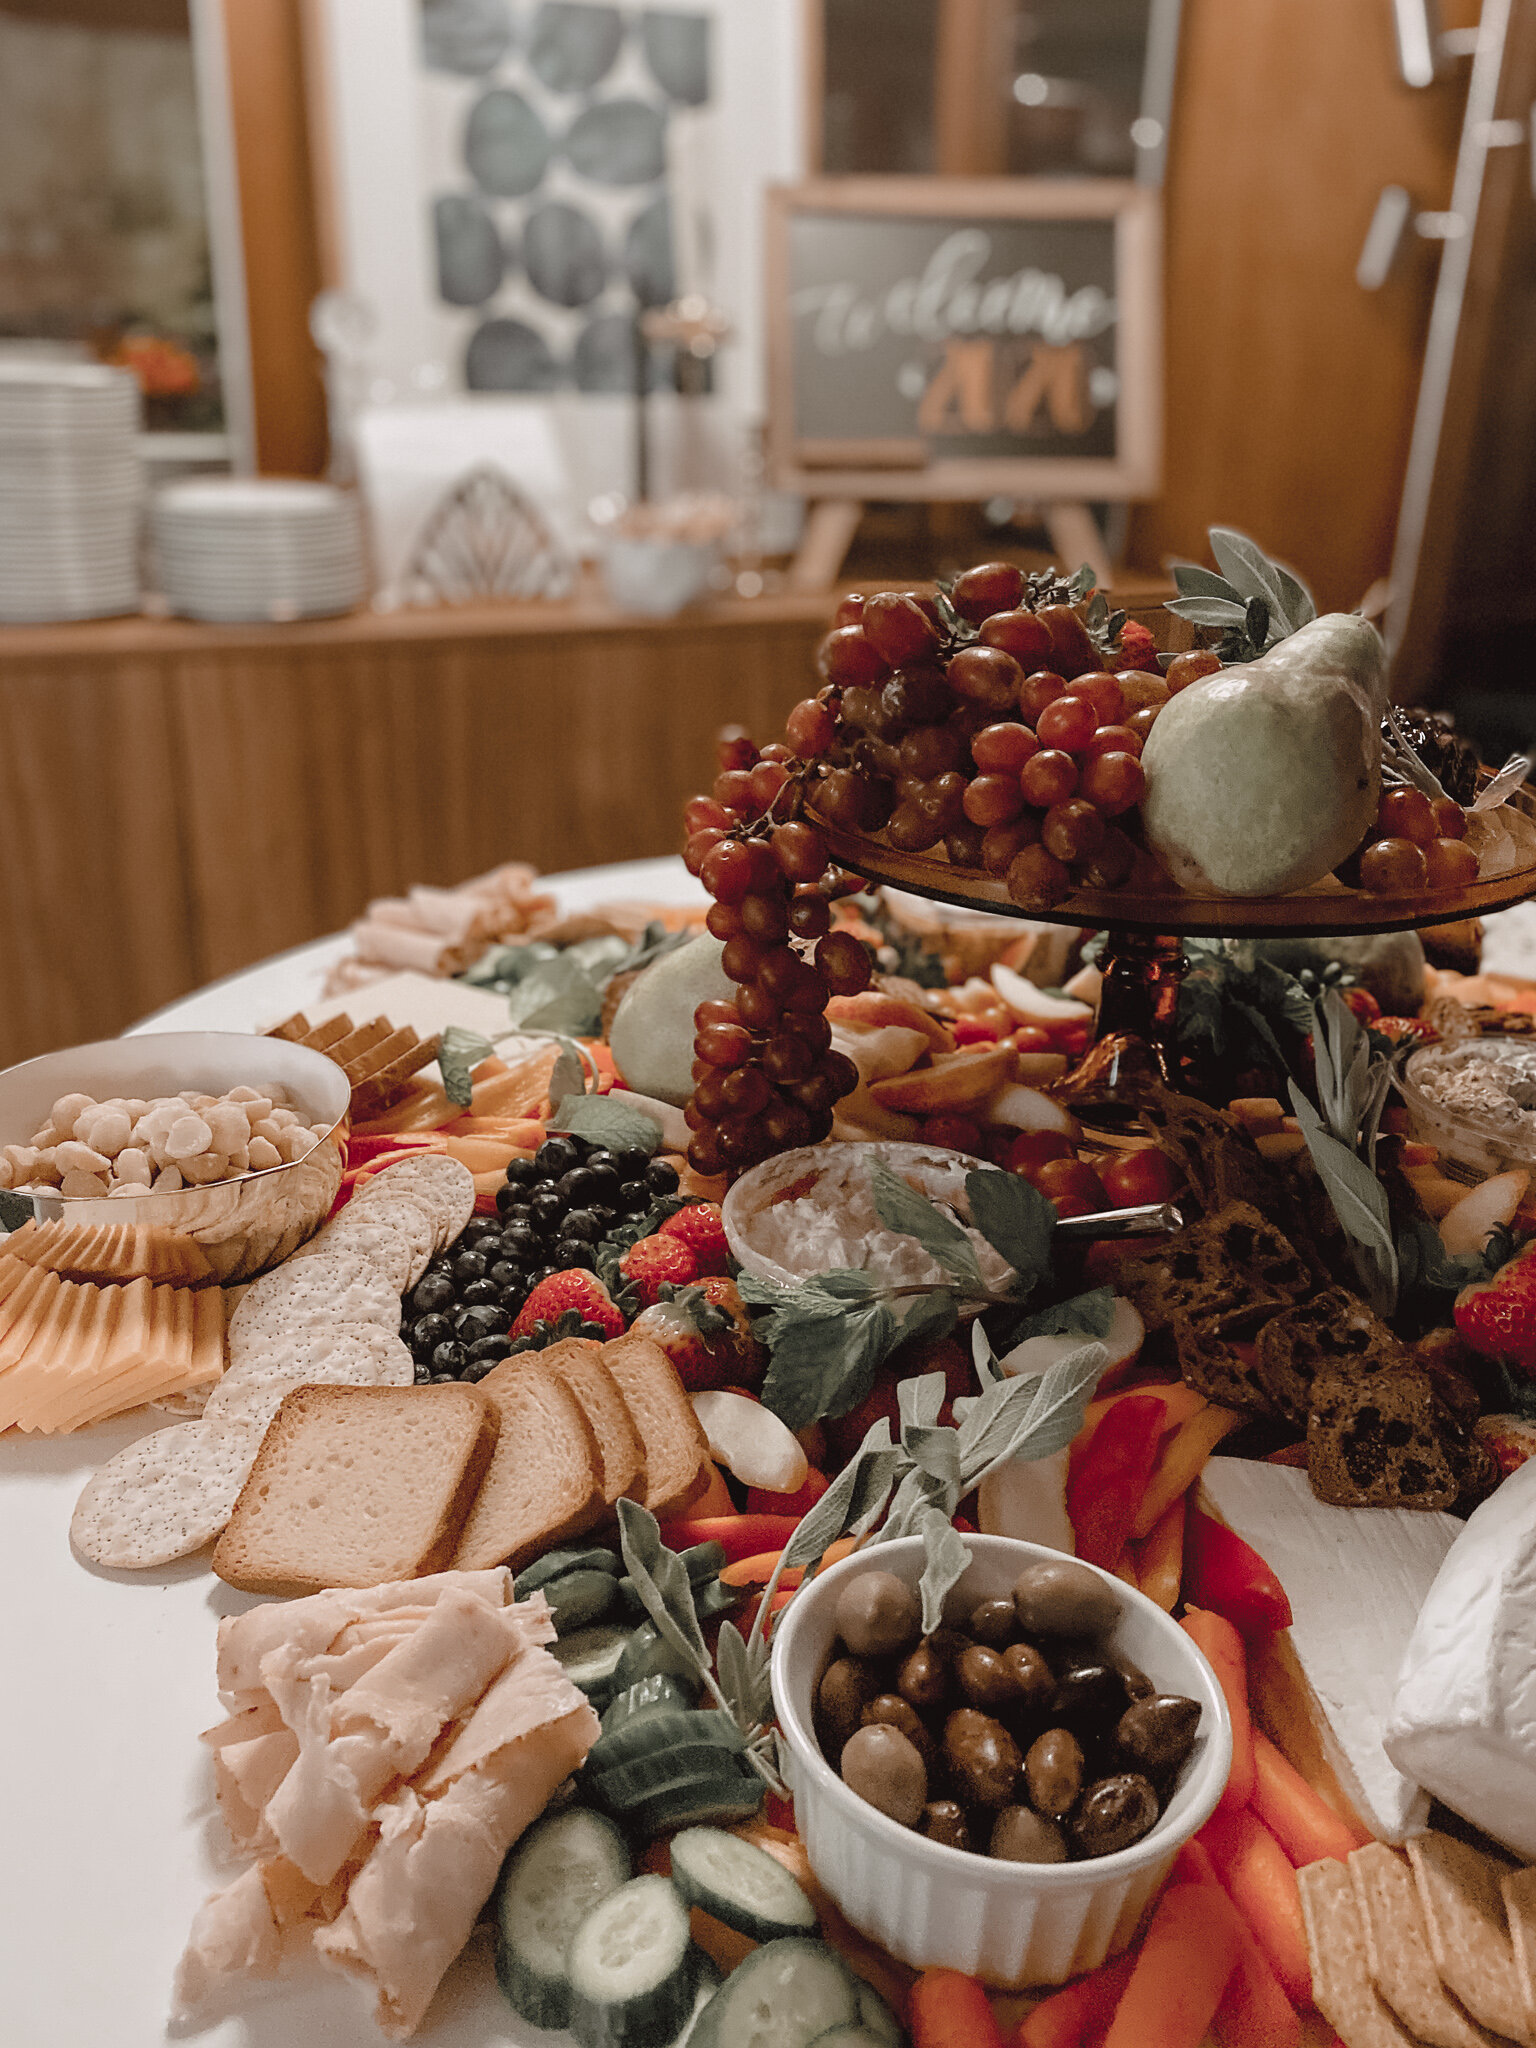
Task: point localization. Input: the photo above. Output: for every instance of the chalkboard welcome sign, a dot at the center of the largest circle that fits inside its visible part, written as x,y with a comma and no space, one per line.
955,338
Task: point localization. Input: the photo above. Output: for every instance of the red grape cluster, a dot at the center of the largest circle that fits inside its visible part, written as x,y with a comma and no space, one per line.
765,1074
984,724
1417,843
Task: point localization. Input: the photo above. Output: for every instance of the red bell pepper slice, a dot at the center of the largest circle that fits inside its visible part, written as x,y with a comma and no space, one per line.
1105,1484
1227,1576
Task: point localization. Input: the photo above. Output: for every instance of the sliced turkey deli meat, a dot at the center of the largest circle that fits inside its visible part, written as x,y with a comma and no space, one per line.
382,1752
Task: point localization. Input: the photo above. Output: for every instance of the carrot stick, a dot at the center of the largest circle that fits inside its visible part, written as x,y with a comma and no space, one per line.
1256,1872
1181,1462
758,1570
1223,1646
949,2010
1067,2018
1190,1951
1305,1826
1160,1562
740,1535
1254,2011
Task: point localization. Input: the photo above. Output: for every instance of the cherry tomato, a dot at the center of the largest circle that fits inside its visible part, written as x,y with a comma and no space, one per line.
1071,1180
974,1031
1137,1177
956,1133
1031,1150
1032,1038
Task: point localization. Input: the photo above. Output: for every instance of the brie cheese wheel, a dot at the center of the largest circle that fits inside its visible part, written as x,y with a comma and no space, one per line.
1356,1579
1463,1720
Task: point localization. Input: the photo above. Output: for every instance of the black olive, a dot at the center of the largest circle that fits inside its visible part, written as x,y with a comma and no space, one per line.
660,1178
582,1223
432,1292
491,1348
634,1198
1090,1698
470,1266
567,1252
556,1155
523,1173
448,1359
478,1292
427,1332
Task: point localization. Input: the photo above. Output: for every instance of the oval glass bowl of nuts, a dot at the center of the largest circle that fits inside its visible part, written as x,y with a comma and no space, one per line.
188,1157
1006,1794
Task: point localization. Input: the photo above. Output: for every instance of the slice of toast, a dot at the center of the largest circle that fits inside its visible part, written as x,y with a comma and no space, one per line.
1218,1357
1334,1330
542,1486
676,1448
358,1486
621,1454
1379,1442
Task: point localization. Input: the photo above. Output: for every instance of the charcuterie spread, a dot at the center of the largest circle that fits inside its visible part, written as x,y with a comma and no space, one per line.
786,1461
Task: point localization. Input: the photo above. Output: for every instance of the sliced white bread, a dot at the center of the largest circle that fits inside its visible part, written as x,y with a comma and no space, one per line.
676,1448
621,1454
358,1486
542,1485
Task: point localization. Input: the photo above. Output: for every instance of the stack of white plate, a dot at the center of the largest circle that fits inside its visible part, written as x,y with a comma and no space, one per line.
70,490
244,549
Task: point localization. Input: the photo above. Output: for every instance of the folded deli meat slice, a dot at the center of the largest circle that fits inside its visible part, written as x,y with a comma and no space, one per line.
383,1751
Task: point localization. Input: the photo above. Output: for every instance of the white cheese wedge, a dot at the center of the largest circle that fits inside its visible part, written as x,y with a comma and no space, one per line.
1463,1720
1356,1579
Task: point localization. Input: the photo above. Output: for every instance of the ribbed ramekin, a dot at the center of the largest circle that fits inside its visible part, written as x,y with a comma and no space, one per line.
1011,1924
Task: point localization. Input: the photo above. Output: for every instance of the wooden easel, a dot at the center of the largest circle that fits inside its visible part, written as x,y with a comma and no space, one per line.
831,523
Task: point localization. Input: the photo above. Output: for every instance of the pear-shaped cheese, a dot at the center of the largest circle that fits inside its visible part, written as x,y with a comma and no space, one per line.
651,1036
1263,777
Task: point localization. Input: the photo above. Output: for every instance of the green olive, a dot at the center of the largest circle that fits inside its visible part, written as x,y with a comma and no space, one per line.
1156,1735
982,1756
944,1821
1019,1836
1053,1771
883,1768
1059,1597
878,1614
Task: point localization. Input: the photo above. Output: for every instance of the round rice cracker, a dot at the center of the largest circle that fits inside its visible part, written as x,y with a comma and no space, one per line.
400,1254
165,1497
322,1292
354,1355
444,1186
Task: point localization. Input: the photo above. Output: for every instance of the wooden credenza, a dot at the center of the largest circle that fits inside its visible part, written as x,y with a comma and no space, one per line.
179,801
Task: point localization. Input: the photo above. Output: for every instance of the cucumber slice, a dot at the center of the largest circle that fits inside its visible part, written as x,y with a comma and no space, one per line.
660,1693
625,1785
696,1802
876,2017
663,1728
554,1564
579,1598
786,1994
740,1884
646,1652
558,1872
631,1968
707,1981
591,1656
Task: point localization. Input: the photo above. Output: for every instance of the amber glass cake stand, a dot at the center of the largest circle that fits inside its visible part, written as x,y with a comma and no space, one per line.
1143,961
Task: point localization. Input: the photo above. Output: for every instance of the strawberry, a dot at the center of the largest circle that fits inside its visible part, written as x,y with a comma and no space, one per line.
707,1334
657,1262
1511,1439
1137,648
1363,1004
1401,1029
700,1228
561,1291
1497,1316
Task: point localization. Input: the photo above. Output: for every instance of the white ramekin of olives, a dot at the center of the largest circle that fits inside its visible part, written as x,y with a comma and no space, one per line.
1006,1796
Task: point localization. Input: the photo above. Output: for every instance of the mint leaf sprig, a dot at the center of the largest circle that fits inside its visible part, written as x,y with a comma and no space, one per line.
828,1336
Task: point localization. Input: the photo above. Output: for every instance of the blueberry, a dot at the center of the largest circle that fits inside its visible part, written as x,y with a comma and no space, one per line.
572,1187
477,1369
427,1332
521,1242
523,1173
635,1198
510,1201
497,1345
600,1155
478,1292
485,1319
582,1224
629,1165
423,1372
555,1156
506,1273
603,1184
433,1291
541,1273
476,1228
443,1379
546,1210
512,1298
570,1251
447,1359
661,1178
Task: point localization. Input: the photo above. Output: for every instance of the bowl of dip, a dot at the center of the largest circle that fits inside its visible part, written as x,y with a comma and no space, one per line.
1475,1101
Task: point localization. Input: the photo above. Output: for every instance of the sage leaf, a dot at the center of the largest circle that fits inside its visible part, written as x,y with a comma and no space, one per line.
988,1371
1511,776
935,1451
846,1282
743,1674
917,1492
919,1400
902,1209
1207,611
1246,566
1034,1418
1194,580
945,1562
459,1052
559,995
857,1495
568,1076
606,1120
1359,1200
1015,1219
660,1578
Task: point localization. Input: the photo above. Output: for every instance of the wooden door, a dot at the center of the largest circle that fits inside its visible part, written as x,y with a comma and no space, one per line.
1291,389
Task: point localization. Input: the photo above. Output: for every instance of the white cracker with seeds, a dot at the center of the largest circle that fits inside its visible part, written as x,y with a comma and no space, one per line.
381,1239
444,1186
355,1355
164,1497
323,1292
